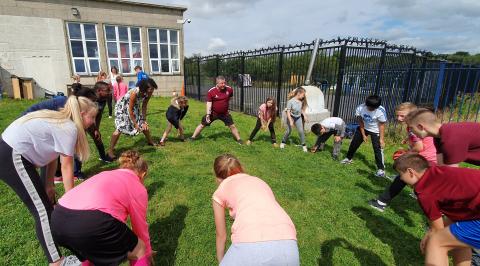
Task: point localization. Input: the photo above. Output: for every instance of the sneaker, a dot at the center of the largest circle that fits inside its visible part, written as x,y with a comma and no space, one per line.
346,161
304,148
190,139
282,145
314,149
161,143
58,180
335,157
377,205
107,159
412,195
71,261
275,145
240,142
79,176
181,138
249,142
380,173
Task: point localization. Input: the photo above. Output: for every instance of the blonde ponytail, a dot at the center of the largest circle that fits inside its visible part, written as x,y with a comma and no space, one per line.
71,111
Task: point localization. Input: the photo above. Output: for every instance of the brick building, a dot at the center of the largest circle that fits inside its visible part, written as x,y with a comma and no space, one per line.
51,40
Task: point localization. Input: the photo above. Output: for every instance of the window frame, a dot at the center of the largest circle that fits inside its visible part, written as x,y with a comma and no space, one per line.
118,42
86,59
159,59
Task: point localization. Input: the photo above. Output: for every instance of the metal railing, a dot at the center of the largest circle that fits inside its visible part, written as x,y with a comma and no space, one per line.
347,71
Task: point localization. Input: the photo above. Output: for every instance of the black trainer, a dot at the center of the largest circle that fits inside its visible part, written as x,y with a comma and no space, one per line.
377,205
107,159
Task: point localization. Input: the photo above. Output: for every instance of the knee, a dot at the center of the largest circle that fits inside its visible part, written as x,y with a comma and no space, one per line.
138,252
232,127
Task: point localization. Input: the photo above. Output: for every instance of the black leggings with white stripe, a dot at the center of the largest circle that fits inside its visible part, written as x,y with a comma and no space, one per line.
21,175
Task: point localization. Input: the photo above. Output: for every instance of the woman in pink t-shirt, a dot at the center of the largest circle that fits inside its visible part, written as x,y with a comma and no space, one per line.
90,219
267,113
262,233
119,88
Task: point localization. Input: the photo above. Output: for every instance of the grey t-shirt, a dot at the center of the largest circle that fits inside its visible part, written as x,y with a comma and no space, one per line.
40,140
295,107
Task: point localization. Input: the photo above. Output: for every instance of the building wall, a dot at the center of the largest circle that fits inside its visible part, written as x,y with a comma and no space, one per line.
34,41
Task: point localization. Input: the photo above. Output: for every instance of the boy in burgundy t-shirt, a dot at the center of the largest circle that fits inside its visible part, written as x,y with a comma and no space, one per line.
455,142
218,99
453,192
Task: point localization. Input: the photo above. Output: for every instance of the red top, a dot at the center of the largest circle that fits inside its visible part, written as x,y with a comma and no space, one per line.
220,99
459,142
452,191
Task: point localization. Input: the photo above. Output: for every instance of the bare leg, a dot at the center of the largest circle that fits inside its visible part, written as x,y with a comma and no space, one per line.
180,131
149,137
440,243
166,132
198,130
235,133
138,252
113,142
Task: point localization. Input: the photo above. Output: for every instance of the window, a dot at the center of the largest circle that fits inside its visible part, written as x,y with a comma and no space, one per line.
124,47
84,47
164,51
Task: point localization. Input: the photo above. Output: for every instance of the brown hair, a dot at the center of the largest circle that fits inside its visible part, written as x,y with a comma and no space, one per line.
226,165
132,160
295,92
272,111
421,115
119,78
182,100
410,160
406,106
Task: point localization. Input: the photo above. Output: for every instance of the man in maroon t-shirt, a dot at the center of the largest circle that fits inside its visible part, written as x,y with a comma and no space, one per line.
449,191
218,99
455,143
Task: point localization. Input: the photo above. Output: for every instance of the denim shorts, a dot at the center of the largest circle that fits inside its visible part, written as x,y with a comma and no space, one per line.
277,252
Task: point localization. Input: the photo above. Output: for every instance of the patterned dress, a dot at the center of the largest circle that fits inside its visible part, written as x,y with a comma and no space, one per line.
123,123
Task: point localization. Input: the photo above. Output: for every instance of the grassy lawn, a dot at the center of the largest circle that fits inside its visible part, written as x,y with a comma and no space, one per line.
326,200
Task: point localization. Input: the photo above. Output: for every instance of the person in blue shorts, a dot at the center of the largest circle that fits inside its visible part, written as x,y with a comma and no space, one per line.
450,198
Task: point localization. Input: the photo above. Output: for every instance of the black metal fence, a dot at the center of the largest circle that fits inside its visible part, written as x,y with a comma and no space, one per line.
346,70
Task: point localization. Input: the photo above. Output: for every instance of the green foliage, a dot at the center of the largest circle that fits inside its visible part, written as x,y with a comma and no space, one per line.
326,201
460,57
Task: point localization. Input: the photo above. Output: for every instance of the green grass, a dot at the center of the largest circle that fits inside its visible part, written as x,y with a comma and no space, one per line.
327,201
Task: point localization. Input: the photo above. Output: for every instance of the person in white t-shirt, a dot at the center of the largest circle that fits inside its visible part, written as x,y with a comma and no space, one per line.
326,128
33,141
372,118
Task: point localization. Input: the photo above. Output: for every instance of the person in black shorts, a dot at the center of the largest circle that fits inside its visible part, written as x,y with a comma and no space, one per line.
218,99
175,113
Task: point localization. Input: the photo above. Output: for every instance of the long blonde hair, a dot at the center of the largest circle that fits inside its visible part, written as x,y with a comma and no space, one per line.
71,110
295,92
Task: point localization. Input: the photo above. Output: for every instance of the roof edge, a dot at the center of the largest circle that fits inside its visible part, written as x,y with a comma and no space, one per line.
138,3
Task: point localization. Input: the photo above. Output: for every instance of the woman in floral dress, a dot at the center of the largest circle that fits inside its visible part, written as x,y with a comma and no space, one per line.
131,114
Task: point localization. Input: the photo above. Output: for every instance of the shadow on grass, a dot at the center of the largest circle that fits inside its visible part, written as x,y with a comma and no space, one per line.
364,256
165,233
404,245
400,204
153,187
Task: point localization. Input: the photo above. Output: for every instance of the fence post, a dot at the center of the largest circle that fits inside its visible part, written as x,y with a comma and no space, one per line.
199,88
242,88
280,77
217,64
380,70
421,80
438,91
408,78
341,73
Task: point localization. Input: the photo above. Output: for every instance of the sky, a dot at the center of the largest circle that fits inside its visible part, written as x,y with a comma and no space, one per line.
439,26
